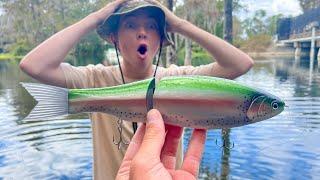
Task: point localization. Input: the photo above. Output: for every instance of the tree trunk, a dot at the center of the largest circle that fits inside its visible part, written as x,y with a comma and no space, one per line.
188,55
227,35
63,12
171,55
188,49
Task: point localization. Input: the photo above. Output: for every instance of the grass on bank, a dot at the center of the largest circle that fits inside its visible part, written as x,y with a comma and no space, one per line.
7,56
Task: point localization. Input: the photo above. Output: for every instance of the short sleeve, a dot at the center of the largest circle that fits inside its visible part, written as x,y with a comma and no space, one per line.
78,77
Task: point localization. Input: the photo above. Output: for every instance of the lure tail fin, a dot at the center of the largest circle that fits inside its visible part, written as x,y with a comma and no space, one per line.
52,101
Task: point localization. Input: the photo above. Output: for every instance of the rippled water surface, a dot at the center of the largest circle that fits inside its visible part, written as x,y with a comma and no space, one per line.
284,147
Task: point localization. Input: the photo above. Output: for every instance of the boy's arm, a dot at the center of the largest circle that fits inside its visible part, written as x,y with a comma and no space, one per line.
44,62
230,61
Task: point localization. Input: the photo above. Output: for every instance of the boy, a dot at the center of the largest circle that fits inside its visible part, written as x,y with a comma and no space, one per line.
138,29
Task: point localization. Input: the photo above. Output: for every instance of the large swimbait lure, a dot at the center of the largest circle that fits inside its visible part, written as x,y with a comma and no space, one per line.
188,101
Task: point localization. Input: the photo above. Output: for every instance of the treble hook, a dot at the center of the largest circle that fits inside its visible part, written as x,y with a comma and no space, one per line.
121,139
224,145
225,139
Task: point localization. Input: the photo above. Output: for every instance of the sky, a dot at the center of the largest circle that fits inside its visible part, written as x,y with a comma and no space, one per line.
272,7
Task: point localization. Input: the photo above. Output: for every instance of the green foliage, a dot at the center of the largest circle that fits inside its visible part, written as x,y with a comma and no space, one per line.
271,24
255,25
199,57
255,43
181,55
91,47
218,29
9,57
20,48
258,31
35,21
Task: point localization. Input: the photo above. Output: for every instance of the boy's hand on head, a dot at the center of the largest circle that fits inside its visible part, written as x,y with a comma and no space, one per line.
173,21
107,10
152,152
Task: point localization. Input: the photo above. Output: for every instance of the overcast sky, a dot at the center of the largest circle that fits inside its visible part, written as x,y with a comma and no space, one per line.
272,7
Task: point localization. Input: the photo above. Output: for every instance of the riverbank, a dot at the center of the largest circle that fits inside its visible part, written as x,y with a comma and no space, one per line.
272,52
267,55
9,57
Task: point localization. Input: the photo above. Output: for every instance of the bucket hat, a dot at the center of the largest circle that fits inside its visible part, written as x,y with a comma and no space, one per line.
110,24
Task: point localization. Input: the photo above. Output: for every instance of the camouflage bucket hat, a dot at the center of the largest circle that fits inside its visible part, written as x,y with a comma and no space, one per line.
110,24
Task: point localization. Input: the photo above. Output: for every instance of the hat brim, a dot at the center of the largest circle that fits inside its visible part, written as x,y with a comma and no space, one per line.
110,24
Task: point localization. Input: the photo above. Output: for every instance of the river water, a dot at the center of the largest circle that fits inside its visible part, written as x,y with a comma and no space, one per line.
283,147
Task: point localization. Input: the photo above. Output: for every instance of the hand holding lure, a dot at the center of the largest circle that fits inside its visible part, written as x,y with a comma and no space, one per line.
187,101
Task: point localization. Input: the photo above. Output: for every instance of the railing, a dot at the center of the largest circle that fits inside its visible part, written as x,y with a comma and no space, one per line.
303,35
298,27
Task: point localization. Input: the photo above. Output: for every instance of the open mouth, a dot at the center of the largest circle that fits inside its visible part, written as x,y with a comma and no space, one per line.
142,49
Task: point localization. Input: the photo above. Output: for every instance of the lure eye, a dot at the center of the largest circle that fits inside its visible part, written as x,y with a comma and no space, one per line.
275,105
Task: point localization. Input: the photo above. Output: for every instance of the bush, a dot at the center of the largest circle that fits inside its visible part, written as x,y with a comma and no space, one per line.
256,43
199,57
90,48
20,48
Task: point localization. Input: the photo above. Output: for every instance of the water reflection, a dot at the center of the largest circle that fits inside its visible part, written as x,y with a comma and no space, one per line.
225,166
39,149
282,147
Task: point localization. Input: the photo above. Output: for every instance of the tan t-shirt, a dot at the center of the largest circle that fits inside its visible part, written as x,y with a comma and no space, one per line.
107,156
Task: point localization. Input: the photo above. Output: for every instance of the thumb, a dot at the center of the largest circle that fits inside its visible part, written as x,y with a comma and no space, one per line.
154,136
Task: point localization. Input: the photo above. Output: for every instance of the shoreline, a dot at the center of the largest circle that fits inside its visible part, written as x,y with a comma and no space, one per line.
6,56
270,54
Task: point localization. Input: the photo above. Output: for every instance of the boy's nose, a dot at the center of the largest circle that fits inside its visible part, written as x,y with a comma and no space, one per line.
142,34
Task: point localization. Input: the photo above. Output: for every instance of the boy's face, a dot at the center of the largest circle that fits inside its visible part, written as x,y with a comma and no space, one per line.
138,38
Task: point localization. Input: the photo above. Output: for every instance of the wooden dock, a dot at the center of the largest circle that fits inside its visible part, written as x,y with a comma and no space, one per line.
302,33
304,42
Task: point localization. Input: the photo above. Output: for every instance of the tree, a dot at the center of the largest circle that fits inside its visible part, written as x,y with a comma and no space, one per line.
171,54
203,14
271,24
309,4
255,25
227,35
206,14
188,48
33,21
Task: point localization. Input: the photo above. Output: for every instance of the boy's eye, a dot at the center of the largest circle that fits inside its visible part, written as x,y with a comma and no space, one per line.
129,25
152,26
